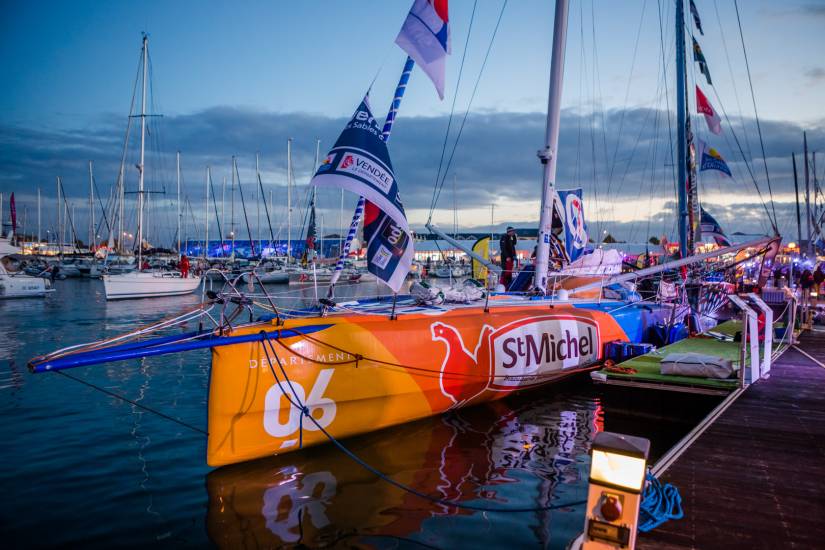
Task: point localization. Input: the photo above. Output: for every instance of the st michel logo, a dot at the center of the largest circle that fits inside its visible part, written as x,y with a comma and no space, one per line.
520,353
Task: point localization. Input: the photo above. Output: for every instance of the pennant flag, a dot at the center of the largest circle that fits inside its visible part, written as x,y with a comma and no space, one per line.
696,21
13,210
699,57
704,107
711,228
425,36
575,230
360,162
712,160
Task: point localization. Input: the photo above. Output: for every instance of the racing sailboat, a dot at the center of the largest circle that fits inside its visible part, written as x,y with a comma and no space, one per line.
146,284
303,377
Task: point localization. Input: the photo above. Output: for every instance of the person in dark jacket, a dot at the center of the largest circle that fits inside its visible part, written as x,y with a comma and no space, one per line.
507,247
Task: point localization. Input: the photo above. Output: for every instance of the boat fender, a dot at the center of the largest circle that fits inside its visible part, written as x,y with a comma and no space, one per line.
562,295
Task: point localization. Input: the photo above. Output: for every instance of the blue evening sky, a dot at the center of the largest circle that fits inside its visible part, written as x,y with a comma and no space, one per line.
66,62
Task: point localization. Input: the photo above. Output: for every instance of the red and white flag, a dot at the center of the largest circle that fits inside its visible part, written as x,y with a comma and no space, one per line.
704,107
425,36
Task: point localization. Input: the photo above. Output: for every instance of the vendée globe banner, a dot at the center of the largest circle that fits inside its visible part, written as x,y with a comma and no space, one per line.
360,162
575,229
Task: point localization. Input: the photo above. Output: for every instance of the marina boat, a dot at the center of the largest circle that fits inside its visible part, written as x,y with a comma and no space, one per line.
148,284
155,283
296,378
20,285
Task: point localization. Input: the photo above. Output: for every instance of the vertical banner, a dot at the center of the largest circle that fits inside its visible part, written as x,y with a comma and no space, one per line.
575,229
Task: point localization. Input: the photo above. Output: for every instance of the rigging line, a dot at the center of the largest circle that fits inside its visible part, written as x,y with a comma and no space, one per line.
131,402
756,115
732,78
744,158
305,411
626,98
667,101
470,103
452,109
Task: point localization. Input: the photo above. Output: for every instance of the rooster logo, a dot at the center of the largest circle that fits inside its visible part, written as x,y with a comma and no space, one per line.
464,374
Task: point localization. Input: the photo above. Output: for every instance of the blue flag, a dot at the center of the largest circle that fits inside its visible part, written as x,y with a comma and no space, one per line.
360,162
712,160
711,228
575,229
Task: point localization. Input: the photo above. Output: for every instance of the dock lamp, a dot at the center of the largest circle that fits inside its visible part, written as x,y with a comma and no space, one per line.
617,477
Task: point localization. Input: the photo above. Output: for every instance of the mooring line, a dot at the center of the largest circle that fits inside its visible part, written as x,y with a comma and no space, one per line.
808,355
296,401
135,403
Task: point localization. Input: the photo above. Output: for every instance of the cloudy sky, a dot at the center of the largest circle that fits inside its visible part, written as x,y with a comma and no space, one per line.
239,79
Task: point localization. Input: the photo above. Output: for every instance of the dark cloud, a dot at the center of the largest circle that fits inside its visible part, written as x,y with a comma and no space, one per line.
815,73
619,157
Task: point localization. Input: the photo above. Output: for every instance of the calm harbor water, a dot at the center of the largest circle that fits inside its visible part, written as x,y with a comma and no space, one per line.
82,468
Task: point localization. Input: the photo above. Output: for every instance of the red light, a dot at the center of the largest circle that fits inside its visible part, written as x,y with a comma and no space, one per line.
611,508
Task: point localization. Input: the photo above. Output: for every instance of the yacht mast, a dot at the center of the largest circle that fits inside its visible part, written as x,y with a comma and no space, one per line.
91,209
141,166
206,217
809,248
682,131
548,155
288,200
177,165
38,215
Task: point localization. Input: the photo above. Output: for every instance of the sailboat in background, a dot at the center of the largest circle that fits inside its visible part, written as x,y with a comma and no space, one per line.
146,284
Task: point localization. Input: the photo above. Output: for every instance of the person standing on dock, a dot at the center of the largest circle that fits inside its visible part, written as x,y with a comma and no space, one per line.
507,247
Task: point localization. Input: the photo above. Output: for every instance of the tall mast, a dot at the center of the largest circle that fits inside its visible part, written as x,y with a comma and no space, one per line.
288,199
91,209
682,131
258,202
58,228
206,216
177,165
223,211
548,155
232,208
796,190
38,215
141,166
807,193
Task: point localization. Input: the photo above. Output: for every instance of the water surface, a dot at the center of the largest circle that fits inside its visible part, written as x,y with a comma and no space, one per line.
84,468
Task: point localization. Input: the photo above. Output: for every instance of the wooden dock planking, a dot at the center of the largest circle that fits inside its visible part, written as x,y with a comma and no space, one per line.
756,477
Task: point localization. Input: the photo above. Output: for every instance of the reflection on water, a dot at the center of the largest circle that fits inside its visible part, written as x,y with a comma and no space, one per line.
85,469
530,451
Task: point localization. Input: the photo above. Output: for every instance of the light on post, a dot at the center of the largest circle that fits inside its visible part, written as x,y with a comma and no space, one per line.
617,476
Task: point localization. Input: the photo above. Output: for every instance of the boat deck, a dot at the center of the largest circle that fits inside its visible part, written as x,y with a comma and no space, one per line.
717,342
754,478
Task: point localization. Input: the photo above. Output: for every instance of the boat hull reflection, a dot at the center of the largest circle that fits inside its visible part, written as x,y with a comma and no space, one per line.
521,452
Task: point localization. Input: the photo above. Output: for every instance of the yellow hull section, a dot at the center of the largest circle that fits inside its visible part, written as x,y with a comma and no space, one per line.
359,373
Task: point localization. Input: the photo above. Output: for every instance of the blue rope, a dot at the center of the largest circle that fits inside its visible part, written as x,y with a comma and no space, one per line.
295,401
660,503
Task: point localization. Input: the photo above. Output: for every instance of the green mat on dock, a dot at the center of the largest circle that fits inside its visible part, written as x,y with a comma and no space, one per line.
647,366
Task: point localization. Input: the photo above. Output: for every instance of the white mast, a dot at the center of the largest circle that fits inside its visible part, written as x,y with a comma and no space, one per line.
142,149
232,207
258,202
206,216
91,209
223,211
177,162
548,155
288,200
38,214
58,229
810,248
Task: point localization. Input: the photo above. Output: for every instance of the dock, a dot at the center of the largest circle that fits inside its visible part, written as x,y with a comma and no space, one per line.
753,476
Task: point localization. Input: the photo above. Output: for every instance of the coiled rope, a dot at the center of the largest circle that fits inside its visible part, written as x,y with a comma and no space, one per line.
660,503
